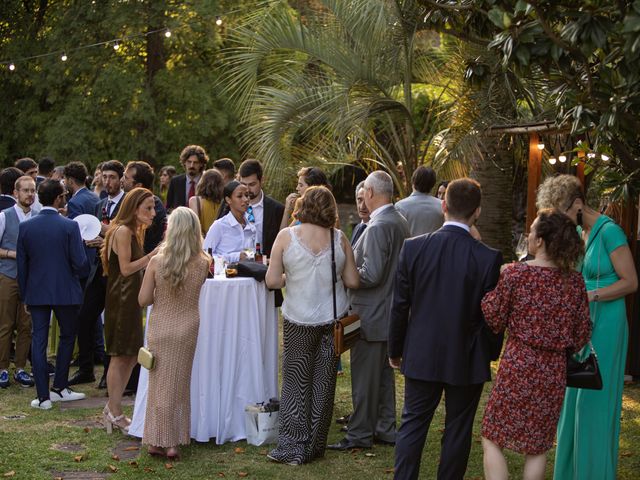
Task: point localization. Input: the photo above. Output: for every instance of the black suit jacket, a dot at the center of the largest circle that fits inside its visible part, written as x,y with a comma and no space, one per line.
155,233
177,192
273,212
437,326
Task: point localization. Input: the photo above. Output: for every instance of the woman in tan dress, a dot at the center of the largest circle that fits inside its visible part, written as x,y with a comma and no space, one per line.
123,261
172,284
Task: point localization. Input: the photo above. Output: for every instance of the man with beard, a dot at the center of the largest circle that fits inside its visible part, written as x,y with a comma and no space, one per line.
182,187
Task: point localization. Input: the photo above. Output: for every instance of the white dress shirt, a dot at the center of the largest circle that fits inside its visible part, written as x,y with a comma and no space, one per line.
227,238
258,215
115,201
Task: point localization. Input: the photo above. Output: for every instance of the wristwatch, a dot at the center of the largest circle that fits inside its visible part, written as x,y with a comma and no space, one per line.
596,296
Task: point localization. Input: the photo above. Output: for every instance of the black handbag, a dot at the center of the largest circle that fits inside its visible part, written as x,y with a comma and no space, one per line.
585,374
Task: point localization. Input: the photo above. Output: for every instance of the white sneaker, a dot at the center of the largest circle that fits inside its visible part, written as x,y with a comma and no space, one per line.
44,405
65,395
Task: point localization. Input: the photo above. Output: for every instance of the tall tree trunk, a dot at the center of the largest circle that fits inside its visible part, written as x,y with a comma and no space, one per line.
495,174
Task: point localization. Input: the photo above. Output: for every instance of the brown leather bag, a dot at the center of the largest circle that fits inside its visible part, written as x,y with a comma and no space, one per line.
346,330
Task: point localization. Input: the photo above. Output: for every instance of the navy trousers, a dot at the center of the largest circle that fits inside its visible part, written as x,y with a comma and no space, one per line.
420,401
67,316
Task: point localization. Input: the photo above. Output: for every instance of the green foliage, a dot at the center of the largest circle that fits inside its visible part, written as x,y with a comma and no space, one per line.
588,51
147,100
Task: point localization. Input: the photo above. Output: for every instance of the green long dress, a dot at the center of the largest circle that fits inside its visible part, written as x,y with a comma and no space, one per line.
589,425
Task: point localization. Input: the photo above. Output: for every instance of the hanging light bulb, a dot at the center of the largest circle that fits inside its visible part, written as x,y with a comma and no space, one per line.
12,67
552,160
605,158
64,57
540,146
167,33
116,46
562,158
591,155
218,20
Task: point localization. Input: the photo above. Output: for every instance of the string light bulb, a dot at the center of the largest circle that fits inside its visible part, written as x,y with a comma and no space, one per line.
540,146
167,33
605,158
12,67
552,160
116,46
64,57
591,155
218,20
562,158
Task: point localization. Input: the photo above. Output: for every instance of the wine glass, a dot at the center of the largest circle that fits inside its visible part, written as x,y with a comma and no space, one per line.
522,248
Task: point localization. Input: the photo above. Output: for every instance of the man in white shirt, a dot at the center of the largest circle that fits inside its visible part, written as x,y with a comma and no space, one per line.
12,311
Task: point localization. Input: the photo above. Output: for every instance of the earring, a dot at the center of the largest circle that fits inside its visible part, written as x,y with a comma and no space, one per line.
579,217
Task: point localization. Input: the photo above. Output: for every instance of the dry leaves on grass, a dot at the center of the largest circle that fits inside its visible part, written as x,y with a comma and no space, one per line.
78,458
238,450
168,466
131,449
133,463
388,470
113,468
149,470
115,457
10,473
243,474
221,474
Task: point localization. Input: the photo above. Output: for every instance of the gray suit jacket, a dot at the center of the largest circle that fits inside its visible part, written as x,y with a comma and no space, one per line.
376,253
423,213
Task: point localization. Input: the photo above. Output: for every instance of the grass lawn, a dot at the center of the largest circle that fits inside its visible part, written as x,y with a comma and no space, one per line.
43,444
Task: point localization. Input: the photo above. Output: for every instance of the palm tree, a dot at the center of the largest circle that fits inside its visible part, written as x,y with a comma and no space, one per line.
338,86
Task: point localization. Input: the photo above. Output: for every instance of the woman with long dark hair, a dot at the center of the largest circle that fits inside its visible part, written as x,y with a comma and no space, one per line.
123,260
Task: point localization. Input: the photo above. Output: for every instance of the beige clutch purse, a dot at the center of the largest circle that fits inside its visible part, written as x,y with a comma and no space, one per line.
146,358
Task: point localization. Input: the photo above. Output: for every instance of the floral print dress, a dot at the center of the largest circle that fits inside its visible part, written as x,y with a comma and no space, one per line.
546,313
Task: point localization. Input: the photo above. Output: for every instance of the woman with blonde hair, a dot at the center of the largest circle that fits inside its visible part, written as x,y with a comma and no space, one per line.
123,260
304,254
172,284
589,426
206,201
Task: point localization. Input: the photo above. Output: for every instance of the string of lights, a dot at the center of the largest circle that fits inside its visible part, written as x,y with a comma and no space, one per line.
116,43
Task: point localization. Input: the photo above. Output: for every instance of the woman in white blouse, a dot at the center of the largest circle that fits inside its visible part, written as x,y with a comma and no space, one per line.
301,256
234,232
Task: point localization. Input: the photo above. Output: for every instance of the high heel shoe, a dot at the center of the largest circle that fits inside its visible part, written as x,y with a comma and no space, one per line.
156,451
173,454
121,422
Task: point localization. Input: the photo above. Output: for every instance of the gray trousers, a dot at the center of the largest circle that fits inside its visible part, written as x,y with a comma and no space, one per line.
373,393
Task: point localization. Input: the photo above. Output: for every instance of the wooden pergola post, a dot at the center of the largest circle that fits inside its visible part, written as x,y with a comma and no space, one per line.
534,171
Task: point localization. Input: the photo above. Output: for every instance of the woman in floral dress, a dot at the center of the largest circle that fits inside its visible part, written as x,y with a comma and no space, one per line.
543,303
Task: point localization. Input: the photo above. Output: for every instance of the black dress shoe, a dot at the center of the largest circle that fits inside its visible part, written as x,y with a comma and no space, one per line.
379,441
343,420
345,444
82,377
103,383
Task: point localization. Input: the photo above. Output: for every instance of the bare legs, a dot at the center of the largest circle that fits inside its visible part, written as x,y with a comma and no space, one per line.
118,375
495,465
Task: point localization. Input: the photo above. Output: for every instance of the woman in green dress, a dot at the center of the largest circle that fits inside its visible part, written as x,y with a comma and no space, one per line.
589,425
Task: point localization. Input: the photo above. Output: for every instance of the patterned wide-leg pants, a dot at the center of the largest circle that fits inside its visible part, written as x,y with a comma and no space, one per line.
309,368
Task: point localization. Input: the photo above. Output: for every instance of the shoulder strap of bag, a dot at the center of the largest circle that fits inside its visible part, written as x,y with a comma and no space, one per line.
334,276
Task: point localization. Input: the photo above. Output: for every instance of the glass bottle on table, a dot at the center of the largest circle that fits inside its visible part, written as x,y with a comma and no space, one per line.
211,273
258,255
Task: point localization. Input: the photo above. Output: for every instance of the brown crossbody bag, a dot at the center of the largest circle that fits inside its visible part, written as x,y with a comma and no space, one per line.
346,330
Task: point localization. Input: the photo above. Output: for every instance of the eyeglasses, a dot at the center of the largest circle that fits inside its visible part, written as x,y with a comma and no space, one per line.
250,216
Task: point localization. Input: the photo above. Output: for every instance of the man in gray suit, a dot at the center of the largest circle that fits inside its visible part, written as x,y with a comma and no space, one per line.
422,210
372,379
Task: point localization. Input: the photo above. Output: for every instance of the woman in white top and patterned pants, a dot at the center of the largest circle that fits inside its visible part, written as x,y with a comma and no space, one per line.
301,255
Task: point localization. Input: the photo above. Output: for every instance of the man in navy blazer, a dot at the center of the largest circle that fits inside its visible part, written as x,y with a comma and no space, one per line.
51,260
437,334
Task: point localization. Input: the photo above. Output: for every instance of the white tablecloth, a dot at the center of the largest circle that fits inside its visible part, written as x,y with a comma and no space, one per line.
236,359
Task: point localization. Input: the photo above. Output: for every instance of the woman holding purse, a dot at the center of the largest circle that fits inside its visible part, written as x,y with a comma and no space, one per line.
589,426
301,255
172,284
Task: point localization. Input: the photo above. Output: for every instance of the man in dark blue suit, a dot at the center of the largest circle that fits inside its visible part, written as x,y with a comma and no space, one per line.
85,202
51,261
437,334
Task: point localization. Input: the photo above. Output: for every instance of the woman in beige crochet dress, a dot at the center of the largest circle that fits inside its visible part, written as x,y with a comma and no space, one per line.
172,284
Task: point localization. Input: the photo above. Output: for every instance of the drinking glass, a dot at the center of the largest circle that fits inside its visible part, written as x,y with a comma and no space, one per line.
522,248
